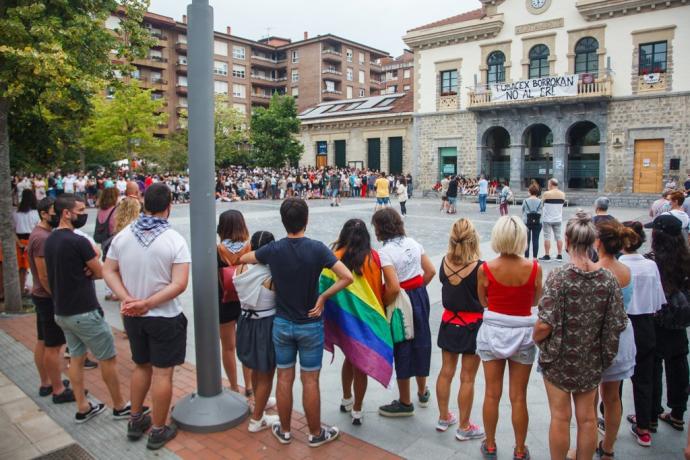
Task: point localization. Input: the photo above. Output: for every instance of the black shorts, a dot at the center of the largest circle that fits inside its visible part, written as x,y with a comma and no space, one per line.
229,311
160,341
455,338
46,328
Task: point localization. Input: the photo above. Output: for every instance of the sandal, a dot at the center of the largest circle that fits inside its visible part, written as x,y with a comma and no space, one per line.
678,425
602,453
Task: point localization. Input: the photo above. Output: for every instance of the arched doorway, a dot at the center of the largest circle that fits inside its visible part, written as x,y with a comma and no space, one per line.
583,156
538,158
496,161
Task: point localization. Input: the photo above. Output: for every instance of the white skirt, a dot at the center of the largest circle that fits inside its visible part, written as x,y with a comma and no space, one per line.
623,365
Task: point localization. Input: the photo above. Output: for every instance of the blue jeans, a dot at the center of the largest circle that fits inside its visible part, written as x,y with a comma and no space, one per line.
482,203
290,338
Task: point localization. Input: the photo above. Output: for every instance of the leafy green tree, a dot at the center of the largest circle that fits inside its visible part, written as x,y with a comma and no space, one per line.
54,55
231,134
124,126
273,133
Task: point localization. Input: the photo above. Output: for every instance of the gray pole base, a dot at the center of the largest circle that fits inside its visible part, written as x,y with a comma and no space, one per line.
200,414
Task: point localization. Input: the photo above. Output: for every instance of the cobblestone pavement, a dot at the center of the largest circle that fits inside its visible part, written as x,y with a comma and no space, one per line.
415,437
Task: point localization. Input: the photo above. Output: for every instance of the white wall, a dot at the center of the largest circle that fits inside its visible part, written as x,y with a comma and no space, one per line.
618,44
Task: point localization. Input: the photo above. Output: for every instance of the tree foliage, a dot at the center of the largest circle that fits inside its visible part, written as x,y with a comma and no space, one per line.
54,55
231,134
124,126
273,133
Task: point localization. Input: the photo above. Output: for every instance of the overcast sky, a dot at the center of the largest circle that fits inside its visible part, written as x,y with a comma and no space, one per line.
379,24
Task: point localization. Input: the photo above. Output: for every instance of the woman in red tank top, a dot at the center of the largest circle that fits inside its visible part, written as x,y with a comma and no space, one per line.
508,286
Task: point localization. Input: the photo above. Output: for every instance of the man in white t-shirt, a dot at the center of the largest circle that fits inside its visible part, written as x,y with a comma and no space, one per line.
68,183
483,193
153,317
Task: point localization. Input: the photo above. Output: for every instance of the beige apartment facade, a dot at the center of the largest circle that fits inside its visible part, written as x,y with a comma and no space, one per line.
593,92
372,132
313,70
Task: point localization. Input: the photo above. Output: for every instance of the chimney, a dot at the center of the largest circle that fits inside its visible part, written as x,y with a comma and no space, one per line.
184,18
229,30
306,35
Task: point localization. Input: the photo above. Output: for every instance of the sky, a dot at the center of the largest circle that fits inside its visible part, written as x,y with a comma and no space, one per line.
379,24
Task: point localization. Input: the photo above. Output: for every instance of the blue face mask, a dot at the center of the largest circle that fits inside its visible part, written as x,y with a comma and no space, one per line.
233,246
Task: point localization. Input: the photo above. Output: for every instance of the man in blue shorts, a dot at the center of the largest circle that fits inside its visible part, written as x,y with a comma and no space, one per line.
296,263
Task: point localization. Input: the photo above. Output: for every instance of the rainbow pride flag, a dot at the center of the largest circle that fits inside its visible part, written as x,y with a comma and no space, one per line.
355,321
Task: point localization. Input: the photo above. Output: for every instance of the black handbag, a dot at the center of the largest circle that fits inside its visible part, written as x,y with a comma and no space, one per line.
675,313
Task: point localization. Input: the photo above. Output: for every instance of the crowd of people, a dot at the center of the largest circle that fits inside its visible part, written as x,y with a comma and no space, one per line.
288,299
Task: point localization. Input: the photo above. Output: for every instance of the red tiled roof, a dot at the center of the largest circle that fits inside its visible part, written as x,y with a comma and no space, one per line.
468,16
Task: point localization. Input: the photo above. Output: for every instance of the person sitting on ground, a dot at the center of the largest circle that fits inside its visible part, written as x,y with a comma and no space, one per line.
296,263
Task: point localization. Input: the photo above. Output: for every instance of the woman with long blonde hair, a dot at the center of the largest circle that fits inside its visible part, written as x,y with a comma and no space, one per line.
457,336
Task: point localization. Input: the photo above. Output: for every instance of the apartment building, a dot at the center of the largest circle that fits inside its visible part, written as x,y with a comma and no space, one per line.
593,92
398,73
313,70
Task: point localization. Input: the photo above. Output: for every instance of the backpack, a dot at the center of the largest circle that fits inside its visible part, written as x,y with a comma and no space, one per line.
226,274
533,217
675,313
102,230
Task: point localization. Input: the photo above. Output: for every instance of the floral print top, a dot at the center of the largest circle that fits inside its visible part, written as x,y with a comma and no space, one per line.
586,312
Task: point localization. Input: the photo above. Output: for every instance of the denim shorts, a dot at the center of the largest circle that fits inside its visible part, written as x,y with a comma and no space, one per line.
88,330
290,338
382,201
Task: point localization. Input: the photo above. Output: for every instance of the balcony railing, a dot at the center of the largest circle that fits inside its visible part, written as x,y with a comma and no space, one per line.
375,66
330,52
586,89
181,47
181,67
331,72
264,58
331,91
181,89
262,95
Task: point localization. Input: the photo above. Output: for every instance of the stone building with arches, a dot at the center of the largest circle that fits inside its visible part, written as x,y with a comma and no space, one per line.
592,92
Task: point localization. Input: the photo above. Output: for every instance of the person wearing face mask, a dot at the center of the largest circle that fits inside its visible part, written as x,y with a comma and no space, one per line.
153,317
72,264
50,336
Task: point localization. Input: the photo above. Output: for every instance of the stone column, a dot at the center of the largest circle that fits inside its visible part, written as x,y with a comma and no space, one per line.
481,152
602,166
384,153
559,164
331,153
517,156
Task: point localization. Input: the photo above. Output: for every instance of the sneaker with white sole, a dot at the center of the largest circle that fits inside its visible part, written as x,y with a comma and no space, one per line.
266,422
357,417
94,410
643,439
327,435
471,432
125,412
346,404
424,399
443,424
282,437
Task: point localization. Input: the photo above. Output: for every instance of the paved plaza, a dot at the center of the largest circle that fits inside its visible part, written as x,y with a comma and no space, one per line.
412,437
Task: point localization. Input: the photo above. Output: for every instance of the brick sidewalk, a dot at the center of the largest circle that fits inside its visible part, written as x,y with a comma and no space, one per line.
236,443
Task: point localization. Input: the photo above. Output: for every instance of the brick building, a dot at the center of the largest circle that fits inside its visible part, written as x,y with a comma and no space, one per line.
398,73
593,92
313,70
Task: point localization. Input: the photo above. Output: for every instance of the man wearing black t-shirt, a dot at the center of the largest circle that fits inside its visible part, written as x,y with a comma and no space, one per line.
72,265
296,263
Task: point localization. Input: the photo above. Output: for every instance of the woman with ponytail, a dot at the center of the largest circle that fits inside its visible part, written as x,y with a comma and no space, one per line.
612,236
581,317
255,330
647,299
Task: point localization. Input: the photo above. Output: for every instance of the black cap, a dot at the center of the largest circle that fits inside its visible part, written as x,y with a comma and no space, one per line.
668,223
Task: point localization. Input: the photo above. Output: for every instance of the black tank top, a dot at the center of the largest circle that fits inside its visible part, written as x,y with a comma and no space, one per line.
462,297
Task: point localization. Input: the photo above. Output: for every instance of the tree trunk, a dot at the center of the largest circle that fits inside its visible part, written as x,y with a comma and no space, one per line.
13,295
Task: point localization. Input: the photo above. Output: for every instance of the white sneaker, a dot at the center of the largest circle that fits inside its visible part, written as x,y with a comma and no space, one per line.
346,404
265,423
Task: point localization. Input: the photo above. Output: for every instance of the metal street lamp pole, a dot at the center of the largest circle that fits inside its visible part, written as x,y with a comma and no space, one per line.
211,408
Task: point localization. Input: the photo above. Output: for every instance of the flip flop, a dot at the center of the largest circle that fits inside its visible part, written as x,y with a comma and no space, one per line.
678,425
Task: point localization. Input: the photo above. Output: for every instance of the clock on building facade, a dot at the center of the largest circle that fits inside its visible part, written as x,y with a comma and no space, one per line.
538,6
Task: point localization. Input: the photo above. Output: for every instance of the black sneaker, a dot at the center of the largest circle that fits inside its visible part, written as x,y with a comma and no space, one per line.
396,409
135,430
48,389
158,439
546,258
126,411
327,435
66,396
93,411
283,438
88,364
559,257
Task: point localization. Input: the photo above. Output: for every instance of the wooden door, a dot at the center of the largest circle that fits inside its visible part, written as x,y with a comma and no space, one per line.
649,166
321,161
